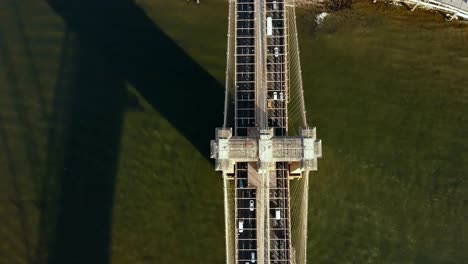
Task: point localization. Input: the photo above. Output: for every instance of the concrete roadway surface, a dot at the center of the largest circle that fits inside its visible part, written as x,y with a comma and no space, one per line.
247,239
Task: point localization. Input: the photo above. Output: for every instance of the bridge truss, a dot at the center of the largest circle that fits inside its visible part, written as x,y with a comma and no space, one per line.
265,148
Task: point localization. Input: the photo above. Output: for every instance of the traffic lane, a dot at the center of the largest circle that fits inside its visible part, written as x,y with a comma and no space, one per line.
250,223
279,244
246,256
244,212
245,15
246,193
247,244
246,203
248,234
246,216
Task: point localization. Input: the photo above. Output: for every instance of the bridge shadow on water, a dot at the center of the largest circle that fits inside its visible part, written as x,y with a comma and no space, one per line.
141,53
118,43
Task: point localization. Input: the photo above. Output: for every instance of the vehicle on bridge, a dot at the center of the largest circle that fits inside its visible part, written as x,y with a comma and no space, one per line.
278,214
269,26
255,149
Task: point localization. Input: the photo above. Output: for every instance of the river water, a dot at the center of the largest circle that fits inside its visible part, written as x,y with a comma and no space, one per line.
117,170
387,90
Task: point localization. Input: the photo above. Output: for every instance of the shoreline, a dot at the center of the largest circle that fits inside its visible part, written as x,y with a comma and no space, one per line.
399,6
395,7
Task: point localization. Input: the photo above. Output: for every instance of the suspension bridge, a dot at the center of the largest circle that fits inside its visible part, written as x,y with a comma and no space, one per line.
265,148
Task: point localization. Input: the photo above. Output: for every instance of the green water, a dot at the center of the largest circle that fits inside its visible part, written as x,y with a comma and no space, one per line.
387,90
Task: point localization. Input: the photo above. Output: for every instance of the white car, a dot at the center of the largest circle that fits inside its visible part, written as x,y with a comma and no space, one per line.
252,205
277,214
276,49
241,226
281,96
275,5
252,255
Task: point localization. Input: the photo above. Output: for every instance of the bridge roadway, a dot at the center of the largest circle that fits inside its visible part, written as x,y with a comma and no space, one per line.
254,151
245,104
261,95
247,239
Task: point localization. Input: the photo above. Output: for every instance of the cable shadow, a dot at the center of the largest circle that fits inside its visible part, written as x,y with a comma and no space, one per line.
16,95
33,70
172,82
17,195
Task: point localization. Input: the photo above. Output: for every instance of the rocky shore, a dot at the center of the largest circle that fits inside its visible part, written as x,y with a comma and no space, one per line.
325,5
304,3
